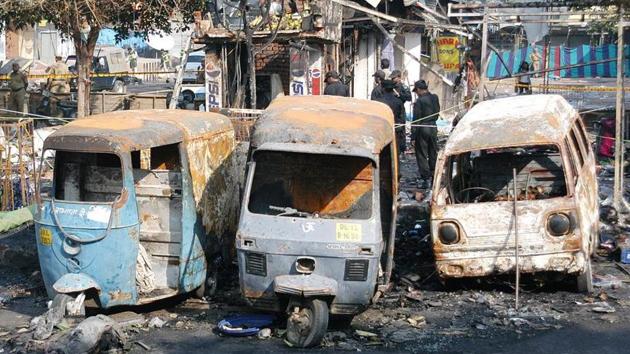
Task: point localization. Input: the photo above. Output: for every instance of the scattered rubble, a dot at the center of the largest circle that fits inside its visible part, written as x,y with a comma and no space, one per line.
95,334
156,322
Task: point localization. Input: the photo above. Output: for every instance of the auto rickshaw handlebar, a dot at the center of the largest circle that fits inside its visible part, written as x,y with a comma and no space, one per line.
74,238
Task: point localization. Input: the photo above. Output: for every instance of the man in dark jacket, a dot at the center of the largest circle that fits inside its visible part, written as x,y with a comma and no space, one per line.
425,112
334,87
377,91
390,99
401,90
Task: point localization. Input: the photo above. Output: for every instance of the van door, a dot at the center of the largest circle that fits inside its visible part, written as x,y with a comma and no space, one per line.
586,199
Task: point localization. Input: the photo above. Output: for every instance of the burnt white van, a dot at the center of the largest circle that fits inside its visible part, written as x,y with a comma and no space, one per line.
541,140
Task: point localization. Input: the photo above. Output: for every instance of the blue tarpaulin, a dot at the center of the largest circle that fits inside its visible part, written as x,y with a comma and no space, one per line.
562,56
107,36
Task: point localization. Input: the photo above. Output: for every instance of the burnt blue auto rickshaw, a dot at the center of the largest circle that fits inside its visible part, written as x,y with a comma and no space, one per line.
140,206
317,225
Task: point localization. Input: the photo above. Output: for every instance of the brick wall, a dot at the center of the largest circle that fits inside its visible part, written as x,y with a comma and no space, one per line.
274,59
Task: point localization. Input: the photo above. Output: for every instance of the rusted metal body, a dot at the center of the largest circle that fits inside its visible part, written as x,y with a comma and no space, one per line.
319,208
542,137
143,203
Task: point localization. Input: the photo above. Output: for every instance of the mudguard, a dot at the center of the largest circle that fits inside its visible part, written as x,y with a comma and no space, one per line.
72,283
305,285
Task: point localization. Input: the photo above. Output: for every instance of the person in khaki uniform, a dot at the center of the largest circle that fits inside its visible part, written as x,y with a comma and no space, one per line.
17,84
55,84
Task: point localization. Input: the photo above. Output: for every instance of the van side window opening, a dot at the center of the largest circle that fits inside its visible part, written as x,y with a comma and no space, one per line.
339,187
583,136
164,157
572,158
87,177
486,175
578,149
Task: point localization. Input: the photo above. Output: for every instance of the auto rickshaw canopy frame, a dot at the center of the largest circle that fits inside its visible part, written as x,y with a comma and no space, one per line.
325,124
126,131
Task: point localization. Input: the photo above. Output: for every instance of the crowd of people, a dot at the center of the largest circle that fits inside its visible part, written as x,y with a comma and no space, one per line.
390,89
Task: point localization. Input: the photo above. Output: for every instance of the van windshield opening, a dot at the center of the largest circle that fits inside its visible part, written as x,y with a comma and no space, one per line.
312,185
85,177
487,175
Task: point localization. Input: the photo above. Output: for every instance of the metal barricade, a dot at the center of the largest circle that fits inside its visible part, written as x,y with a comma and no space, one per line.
243,121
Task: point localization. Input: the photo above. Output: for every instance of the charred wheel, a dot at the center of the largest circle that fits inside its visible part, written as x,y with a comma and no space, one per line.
307,324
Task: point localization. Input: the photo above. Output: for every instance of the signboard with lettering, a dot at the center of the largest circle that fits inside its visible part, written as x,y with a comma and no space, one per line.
448,53
315,73
214,85
298,70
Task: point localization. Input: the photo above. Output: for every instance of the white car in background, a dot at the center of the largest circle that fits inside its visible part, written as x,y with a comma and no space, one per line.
193,65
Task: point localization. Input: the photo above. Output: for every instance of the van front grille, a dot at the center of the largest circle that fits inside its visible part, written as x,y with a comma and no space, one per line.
356,270
256,264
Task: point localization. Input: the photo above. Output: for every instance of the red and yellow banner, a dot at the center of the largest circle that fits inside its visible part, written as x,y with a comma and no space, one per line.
448,53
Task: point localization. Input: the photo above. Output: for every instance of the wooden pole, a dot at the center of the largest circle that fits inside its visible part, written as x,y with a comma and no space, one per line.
484,57
618,189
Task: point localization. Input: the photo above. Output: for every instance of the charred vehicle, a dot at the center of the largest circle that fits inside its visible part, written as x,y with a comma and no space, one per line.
517,168
317,225
140,207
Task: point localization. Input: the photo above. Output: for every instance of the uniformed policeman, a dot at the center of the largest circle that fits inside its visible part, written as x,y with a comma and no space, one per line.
426,111
334,87
395,104
58,84
17,84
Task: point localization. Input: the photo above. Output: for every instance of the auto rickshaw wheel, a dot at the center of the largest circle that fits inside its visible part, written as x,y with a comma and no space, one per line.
585,279
307,325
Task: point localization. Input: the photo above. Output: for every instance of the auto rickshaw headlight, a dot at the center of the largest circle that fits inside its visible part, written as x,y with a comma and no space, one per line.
305,265
448,232
559,224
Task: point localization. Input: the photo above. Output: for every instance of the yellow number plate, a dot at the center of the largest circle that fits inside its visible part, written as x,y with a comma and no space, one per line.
348,232
45,237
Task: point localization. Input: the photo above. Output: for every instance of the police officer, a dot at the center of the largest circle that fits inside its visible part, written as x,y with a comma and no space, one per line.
58,84
389,98
425,113
334,87
17,84
132,57
401,90
377,91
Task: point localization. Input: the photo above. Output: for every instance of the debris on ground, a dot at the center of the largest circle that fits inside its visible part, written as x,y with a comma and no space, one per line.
97,334
156,322
244,325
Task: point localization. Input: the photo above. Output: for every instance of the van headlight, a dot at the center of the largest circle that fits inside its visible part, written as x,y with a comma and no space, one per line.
448,232
559,224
